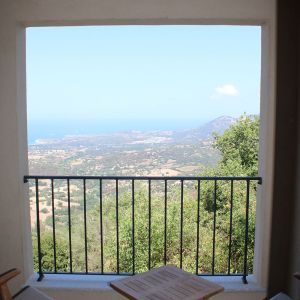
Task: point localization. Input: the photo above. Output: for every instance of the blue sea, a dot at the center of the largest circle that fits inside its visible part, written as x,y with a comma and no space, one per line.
42,129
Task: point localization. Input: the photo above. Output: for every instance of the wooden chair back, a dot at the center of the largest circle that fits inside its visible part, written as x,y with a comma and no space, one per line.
4,278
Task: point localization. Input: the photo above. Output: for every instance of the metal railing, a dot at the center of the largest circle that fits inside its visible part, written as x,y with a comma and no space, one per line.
196,181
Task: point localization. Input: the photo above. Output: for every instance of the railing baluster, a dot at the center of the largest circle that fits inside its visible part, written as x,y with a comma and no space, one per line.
230,227
117,225
149,225
198,224
69,223
181,223
214,228
133,233
85,226
53,225
165,230
38,229
245,273
101,223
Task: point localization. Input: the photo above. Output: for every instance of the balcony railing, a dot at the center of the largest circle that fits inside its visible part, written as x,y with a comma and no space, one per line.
226,226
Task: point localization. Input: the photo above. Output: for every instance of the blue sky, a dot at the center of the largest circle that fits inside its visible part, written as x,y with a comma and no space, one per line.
142,73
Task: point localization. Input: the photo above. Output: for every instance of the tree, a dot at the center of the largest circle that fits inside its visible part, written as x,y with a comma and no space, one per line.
47,253
239,147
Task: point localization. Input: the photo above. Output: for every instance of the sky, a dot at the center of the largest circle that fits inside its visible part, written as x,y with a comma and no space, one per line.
133,75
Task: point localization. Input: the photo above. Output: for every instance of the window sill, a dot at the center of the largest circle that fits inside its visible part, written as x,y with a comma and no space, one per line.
101,283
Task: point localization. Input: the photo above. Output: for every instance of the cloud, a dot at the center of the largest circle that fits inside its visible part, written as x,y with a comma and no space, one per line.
226,90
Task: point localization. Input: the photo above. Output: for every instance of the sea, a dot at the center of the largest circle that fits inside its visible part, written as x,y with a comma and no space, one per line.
57,129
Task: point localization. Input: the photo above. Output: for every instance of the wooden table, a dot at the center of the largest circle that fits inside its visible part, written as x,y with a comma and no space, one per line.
166,283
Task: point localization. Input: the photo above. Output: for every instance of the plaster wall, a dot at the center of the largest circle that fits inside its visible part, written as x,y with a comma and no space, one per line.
15,247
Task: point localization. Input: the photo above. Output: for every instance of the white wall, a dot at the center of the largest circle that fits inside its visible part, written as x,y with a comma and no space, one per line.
15,15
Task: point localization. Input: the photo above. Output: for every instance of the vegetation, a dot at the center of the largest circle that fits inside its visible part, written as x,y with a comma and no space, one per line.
238,148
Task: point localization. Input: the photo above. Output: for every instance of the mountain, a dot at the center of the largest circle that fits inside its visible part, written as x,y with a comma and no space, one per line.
218,125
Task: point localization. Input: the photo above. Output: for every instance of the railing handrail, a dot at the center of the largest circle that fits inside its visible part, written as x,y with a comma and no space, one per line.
121,177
